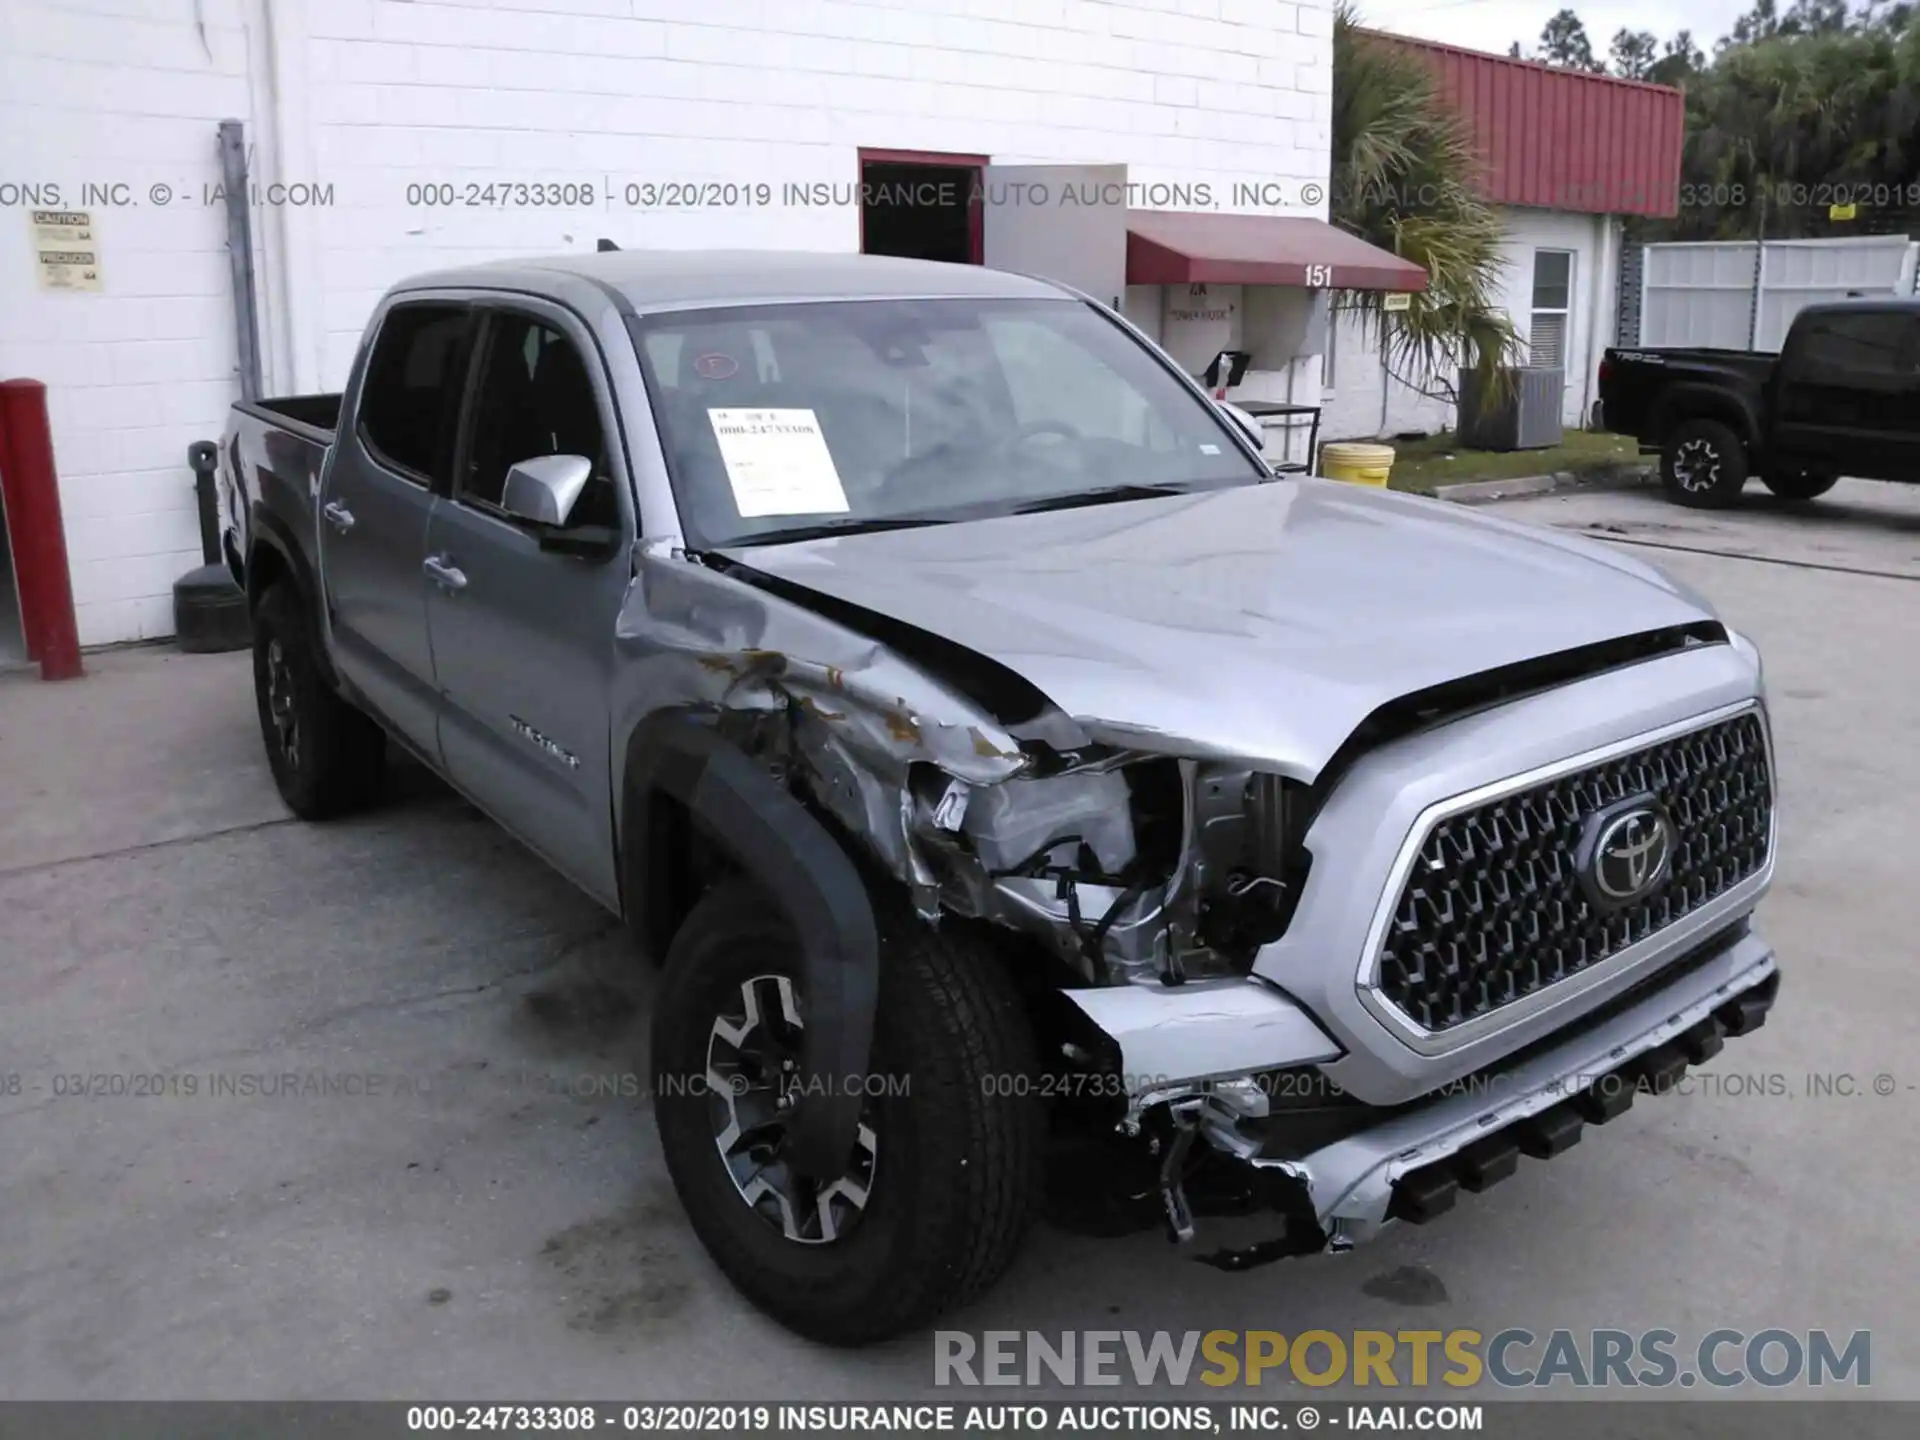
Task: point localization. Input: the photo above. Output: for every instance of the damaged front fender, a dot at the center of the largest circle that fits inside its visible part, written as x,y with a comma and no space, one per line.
965,784
837,713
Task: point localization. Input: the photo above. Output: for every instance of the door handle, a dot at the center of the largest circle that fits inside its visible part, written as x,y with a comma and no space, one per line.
443,574
338,516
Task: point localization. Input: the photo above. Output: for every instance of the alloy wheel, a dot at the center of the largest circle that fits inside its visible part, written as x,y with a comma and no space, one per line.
753,1084
1696,465
280,704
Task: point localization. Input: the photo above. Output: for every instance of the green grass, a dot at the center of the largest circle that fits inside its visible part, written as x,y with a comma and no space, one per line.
1439,459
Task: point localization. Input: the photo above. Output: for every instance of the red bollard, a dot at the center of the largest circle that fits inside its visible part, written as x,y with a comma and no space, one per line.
33,522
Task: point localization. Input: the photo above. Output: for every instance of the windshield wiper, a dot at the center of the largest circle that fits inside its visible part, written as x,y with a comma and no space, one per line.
1107,496
847,525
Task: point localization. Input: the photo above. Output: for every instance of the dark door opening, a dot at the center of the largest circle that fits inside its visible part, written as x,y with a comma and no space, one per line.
924,206
13,644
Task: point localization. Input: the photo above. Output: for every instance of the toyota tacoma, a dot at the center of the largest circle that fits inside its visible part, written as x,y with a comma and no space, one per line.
1841,397
1033,799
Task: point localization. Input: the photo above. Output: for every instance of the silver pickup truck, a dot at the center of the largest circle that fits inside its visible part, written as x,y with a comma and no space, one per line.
1033,800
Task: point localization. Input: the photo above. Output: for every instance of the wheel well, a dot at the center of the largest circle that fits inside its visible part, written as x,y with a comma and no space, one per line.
1705,407
686,863
265,567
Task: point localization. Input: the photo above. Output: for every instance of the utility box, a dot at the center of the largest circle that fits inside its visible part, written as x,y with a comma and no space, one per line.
1521,414
1198,322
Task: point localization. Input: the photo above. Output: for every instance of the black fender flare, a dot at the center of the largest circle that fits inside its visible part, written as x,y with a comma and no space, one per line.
777,842
267,531
1706,402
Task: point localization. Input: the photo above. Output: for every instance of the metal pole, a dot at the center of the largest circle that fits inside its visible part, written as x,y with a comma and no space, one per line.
39,537
246,309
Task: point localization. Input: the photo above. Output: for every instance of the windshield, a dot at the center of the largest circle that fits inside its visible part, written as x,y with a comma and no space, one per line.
788,420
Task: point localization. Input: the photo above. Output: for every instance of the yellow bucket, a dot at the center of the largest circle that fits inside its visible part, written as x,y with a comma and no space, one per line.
1356,463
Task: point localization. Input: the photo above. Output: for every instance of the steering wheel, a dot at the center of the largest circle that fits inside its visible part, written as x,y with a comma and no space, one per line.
1034,429
901,478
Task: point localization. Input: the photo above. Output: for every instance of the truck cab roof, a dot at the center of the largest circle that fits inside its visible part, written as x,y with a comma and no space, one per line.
661,280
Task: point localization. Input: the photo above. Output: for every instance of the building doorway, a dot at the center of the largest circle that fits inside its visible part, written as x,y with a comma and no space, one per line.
13,644
924,205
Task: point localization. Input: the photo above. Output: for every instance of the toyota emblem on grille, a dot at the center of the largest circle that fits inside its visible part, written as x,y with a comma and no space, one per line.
1628,851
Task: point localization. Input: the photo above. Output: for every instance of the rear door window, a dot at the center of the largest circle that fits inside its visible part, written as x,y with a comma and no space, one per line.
410,399
1868,345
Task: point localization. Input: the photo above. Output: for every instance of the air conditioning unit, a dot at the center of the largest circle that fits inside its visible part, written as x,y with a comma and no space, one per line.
1522,414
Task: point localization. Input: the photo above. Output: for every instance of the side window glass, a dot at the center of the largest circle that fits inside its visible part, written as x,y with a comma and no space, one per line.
411,392
1869,345
535,398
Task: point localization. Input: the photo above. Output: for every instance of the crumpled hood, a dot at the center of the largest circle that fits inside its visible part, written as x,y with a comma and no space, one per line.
1263,623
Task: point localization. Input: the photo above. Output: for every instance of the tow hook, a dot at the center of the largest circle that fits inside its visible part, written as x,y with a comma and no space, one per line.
1173,1164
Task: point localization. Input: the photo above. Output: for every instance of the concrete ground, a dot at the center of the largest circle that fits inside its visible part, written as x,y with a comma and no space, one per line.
475,1229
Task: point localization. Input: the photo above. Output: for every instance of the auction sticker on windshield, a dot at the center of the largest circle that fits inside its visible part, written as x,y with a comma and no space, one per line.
777,463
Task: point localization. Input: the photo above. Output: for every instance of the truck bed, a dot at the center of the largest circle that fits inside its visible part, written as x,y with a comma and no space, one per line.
316,415
1635,384
269,474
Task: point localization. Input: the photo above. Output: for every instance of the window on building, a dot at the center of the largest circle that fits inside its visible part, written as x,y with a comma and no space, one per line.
412,389
1547,329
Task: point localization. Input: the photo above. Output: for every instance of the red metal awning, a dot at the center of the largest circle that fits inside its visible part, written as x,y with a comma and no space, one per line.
1173,247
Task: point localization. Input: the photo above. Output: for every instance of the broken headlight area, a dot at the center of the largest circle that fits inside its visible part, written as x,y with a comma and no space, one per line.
1131,868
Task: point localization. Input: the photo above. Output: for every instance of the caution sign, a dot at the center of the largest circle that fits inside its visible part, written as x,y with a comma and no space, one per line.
65,251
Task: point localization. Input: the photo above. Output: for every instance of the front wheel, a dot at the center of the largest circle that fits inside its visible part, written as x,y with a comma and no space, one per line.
1800,484
942,1178
1703,465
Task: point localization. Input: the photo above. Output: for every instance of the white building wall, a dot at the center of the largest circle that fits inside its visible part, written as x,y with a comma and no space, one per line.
1363,400
361,99
123,93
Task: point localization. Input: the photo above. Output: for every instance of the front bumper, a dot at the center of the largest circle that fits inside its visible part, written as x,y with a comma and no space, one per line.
1412,1165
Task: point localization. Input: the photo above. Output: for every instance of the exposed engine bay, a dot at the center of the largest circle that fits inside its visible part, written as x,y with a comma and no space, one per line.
1134,867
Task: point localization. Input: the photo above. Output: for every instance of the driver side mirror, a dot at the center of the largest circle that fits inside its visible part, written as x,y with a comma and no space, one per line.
1244,423
543,490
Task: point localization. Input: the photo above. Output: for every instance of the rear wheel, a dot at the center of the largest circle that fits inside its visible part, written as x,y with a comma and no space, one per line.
1703,465
326,756
1800,484
942,1178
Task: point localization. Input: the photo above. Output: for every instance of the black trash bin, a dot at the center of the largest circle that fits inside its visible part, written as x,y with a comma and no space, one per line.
209,610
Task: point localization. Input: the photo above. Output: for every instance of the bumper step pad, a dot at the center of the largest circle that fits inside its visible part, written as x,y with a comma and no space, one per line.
1421,1195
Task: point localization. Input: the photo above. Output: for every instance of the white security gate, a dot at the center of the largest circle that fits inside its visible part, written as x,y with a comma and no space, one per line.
1698,294
1743,294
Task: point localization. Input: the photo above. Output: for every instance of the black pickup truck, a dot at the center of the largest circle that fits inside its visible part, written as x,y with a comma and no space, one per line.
1841,398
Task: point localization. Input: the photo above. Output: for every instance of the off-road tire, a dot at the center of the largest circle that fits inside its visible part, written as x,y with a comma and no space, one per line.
958,1163
335,761
1799,484
1703,465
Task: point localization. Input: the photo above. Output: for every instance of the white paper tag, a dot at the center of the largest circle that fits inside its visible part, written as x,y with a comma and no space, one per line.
777,463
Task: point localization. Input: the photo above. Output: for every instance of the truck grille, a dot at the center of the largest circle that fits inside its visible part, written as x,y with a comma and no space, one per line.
1493,909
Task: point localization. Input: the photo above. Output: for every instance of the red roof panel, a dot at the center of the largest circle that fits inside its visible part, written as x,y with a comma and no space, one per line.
1562,139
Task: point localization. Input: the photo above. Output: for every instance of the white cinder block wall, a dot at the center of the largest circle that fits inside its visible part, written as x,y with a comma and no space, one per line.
123,95
360,99
1362,399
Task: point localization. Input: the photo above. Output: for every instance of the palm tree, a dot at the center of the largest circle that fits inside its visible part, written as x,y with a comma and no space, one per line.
1404,178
